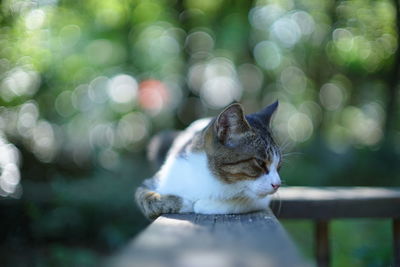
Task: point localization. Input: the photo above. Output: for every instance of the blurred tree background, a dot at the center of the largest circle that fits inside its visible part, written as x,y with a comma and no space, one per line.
85,84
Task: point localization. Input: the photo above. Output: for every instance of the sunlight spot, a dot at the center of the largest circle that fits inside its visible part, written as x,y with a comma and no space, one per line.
80,98
261,17
220,91
286,31
300,127
218,67
102,135
195,77
44,145
28,114
313,110
305,22
267,55
9,154
280,122
19,82
69,35
123,89
293,80
6,187
108,159
63,104
375,111
343,39
98,89
9,171
199,41
35,19
27,118
153,95
167,44
363,48
132,128
365,130
331,96
11,174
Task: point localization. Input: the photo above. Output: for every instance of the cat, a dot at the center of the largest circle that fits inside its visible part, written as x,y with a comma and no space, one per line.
224,165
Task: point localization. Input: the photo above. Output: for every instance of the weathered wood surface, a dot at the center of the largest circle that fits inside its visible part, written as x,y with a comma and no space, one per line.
336,202
192,240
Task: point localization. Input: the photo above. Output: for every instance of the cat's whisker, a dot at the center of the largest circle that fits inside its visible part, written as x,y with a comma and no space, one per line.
279,201
285,145
293,153
286,162
290,154
283,148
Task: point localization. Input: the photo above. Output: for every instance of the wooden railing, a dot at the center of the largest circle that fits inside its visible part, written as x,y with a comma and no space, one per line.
176,240
258,239
327,203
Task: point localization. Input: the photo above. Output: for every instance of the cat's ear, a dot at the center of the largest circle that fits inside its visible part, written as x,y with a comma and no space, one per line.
266,113
231,124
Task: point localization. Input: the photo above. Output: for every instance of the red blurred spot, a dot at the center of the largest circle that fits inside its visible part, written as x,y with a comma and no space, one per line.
153,95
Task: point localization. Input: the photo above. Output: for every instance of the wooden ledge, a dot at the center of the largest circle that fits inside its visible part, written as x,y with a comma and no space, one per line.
336,202
185,240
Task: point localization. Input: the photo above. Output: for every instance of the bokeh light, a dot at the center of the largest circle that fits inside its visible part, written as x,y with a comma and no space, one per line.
9,166
84,85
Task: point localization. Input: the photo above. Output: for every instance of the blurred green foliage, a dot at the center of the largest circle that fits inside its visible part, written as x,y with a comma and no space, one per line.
85,84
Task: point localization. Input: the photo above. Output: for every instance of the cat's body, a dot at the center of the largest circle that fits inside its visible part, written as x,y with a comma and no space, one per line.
228,164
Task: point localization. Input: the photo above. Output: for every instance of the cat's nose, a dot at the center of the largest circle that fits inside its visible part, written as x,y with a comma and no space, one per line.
276,186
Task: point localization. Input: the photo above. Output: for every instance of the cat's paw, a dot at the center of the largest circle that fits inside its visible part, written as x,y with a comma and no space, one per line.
187,206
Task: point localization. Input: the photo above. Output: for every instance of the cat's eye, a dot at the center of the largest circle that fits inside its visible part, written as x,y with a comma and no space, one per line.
261,164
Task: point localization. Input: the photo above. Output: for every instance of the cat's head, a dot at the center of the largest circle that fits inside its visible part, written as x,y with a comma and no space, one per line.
241,149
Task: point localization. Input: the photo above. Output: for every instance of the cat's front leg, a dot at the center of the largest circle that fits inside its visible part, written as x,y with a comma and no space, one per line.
153,204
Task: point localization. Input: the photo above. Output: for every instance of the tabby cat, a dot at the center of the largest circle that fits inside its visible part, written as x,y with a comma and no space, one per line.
228,164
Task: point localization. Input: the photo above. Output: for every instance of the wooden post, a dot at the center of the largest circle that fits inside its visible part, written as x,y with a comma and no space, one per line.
396,241
322,249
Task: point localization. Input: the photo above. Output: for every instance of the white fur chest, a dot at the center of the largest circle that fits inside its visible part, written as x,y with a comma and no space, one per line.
189,177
